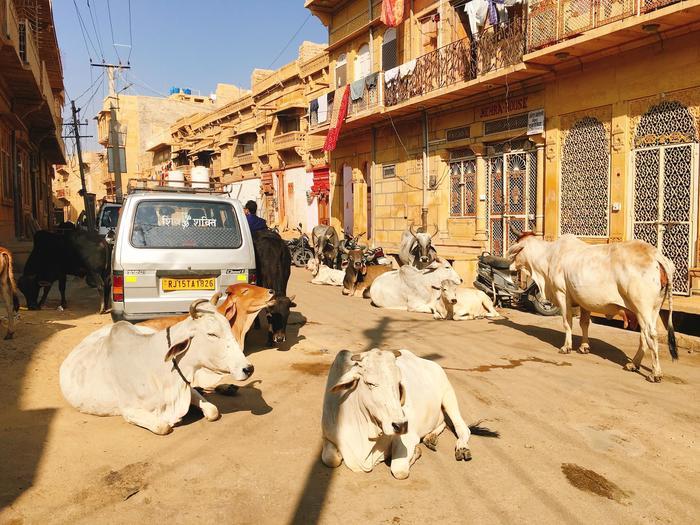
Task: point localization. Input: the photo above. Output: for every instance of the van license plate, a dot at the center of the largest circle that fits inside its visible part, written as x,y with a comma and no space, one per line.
174,284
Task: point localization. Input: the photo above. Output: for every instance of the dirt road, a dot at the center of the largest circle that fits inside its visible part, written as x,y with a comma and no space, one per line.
582,441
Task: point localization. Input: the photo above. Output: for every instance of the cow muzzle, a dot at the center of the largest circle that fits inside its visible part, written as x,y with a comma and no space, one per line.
453,301
278,338
248,371
424,259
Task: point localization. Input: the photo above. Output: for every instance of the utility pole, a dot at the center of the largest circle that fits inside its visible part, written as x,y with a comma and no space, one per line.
89,213
426,175
114,145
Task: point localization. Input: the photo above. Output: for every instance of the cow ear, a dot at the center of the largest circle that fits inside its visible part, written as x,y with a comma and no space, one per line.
292,304
436,287
397,353
347,381
178,349
230,313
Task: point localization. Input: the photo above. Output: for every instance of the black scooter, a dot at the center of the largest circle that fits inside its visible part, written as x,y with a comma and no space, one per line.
499,282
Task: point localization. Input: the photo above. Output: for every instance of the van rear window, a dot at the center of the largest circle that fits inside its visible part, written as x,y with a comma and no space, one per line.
185,224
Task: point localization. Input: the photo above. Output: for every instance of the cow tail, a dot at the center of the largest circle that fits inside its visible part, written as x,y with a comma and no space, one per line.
11,280
668,268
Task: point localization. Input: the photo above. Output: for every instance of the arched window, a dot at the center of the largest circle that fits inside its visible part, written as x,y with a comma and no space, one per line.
389,50
341,70
362,63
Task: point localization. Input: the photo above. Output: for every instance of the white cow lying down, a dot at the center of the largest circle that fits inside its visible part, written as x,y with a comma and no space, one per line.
453,302
132,371
379,405
409,288
325,275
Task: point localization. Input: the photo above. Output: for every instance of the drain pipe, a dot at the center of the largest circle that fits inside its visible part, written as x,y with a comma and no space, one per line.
424,208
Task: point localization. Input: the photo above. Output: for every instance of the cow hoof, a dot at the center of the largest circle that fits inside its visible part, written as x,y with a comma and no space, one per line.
631,367
565,350
431,441
463,454
654,379
584,349
400,474
211,412
226,390
163,429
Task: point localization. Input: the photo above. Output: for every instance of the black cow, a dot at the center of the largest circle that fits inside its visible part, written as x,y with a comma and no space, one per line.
273,266
65,252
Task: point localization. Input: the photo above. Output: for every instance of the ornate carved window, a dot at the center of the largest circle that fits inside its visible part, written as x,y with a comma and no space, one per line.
463,184
585,180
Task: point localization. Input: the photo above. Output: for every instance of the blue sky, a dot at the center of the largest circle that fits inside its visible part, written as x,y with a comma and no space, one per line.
195,43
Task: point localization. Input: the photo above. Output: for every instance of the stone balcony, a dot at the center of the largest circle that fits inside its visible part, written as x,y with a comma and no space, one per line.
289,140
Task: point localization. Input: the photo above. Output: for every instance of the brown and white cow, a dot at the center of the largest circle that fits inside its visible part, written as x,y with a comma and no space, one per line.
359,276
8,290
631,277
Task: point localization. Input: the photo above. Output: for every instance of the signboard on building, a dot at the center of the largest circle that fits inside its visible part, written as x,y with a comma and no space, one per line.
535,122
457,133
504,106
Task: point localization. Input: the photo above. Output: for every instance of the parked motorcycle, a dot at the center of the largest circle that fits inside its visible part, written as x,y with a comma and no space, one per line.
500,283
300,249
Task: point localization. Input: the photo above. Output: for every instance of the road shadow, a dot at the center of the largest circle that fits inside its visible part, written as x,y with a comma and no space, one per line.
256,338
555,338
313,496
24,432
387,331
248,398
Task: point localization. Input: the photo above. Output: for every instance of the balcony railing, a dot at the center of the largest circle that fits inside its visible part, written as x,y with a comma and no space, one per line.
289,140
497,47
371,97
551,21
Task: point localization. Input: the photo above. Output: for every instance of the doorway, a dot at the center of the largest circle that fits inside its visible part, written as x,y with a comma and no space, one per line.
348,200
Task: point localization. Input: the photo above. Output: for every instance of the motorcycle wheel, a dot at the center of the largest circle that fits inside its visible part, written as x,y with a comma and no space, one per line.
300,257
544,307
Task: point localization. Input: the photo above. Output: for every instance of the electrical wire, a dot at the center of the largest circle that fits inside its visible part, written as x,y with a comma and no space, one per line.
88,89
290,41
111,31
408,156
86,35
94,27
131,39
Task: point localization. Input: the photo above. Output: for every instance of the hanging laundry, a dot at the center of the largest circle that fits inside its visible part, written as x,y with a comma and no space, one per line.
392,12
357,89
313,106
340,111
371,80
391,75
407,68
322,108
477,11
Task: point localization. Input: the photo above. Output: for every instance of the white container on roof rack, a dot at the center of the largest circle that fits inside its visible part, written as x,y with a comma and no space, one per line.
199,177
176,179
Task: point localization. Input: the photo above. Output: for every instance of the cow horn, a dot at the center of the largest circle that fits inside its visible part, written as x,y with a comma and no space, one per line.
437,230
514,231
193,308
410,229
215,298
397,353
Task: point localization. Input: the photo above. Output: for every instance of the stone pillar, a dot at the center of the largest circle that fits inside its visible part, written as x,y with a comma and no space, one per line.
481,228
539,214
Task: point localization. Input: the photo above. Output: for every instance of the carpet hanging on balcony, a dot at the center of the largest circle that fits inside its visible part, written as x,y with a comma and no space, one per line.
340,111
392,12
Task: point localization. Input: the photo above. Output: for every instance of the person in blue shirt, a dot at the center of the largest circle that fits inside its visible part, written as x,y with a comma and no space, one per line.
254,222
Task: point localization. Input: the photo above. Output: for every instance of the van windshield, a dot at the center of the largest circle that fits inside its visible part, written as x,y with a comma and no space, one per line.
185,224
110,216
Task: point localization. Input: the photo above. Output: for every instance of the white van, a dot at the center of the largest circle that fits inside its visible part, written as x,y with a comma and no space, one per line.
176,245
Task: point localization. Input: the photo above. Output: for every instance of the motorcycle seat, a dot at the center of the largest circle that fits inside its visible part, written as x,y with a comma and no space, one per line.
499,263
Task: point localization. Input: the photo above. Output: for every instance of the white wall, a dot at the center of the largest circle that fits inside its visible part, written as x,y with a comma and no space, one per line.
246,190
299,210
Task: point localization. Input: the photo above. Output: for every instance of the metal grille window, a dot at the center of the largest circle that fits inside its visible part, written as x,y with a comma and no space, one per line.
388,171
462,186
390,51
665,185
585,180
505,124
6,162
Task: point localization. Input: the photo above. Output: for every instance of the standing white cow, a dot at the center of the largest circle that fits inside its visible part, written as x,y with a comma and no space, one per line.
456,303
417,249
322,274
145,376
379,405
411,289
628,278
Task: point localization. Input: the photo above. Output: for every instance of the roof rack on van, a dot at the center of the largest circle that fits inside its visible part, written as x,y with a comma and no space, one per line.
144,185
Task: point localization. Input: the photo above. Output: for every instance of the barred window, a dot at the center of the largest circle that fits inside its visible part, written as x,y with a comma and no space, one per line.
463,186
585,180
388,171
